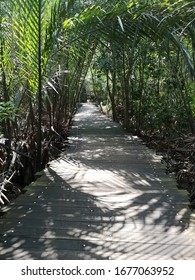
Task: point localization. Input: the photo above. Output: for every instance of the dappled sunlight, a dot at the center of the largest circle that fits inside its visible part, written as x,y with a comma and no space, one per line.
107,197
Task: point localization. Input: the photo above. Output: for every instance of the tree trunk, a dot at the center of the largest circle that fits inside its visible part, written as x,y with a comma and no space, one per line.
40,102
111,96
126,95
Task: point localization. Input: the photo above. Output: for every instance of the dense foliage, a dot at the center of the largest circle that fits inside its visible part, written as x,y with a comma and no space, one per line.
136,58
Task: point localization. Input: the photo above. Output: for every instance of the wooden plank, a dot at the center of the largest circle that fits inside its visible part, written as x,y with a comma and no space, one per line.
28,245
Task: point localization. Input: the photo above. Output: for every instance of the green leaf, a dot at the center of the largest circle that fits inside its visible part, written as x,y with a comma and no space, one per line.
121,23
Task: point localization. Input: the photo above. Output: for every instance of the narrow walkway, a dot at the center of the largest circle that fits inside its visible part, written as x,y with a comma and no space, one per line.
108,198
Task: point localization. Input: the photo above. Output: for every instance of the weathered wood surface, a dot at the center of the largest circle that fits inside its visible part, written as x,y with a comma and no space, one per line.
107,198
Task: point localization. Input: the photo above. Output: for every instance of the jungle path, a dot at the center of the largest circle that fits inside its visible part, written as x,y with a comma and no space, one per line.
107,197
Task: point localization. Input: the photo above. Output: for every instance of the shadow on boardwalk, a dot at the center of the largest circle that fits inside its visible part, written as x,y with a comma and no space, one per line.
107,199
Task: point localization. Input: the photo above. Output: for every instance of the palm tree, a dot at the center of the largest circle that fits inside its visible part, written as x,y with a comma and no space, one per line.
35,30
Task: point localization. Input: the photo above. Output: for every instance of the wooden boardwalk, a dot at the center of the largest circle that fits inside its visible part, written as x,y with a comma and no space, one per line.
106,198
